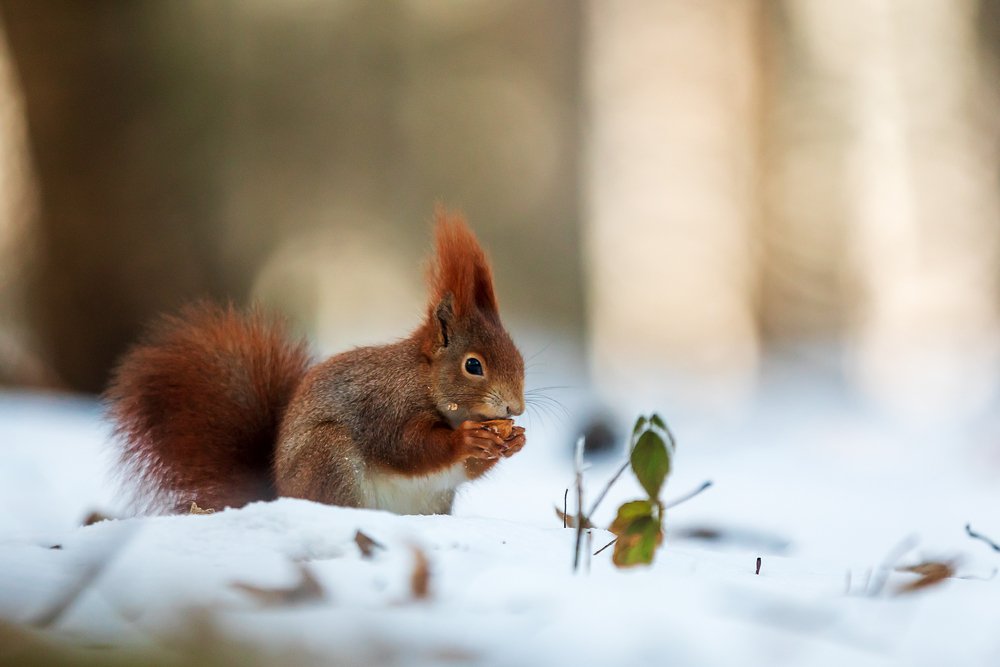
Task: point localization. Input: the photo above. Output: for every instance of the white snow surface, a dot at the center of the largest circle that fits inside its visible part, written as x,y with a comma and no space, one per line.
819,487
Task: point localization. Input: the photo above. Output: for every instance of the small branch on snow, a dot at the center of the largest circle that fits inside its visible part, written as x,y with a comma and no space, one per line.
607,487
578,465
691,494
565,506
979,536
606,546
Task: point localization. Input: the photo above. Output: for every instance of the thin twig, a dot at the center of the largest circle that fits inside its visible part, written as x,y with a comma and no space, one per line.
578,464
976,577
979,536
607,487
606,546
565,506
691,494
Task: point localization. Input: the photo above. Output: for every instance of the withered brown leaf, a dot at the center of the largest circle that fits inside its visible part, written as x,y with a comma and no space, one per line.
420,578
366,544
95,517
307,589
931,573
569,520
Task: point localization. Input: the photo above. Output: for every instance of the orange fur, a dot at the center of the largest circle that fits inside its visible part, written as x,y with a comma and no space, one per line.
460,267
198,403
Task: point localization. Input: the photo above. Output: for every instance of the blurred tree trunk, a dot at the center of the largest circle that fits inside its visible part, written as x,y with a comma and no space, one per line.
20,363
671,173
122,120
916,168
804,280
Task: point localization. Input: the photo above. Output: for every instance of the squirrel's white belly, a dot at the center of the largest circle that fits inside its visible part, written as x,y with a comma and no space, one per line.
423,494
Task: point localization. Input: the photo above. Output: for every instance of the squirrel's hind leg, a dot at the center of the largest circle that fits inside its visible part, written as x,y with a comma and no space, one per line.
319,463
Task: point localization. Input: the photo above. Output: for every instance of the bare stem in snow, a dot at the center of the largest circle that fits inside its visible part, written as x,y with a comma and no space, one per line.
578,466
979,536
607,487
606,546
688,496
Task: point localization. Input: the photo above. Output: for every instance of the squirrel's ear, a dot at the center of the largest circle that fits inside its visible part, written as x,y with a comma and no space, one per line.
460,268
482,289
442,319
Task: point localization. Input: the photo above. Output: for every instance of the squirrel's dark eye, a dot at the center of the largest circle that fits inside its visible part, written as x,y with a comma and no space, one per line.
473,366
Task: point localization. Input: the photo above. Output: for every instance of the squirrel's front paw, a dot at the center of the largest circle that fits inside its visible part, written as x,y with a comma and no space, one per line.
515,443
475,442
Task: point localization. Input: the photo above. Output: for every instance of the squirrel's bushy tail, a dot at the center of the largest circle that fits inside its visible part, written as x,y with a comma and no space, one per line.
197,406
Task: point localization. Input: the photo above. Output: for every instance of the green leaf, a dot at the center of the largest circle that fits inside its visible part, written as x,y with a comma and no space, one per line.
640,424
628,513
651,462
657,420
638,543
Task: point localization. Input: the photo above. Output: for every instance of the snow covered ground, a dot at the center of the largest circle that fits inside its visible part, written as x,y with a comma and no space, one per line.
819,486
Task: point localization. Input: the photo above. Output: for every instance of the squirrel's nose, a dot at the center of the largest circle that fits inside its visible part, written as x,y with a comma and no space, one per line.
515,408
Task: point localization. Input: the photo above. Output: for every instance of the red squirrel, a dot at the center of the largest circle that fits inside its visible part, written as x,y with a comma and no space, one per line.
221,408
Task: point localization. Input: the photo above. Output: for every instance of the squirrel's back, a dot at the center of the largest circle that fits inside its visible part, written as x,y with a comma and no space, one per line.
198,403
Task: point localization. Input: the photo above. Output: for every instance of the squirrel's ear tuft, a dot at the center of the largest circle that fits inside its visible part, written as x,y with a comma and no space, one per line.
460,267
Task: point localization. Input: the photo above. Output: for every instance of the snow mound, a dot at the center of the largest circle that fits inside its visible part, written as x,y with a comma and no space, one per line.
501,589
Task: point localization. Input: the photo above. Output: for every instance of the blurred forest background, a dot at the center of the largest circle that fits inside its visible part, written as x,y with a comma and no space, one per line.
681,189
